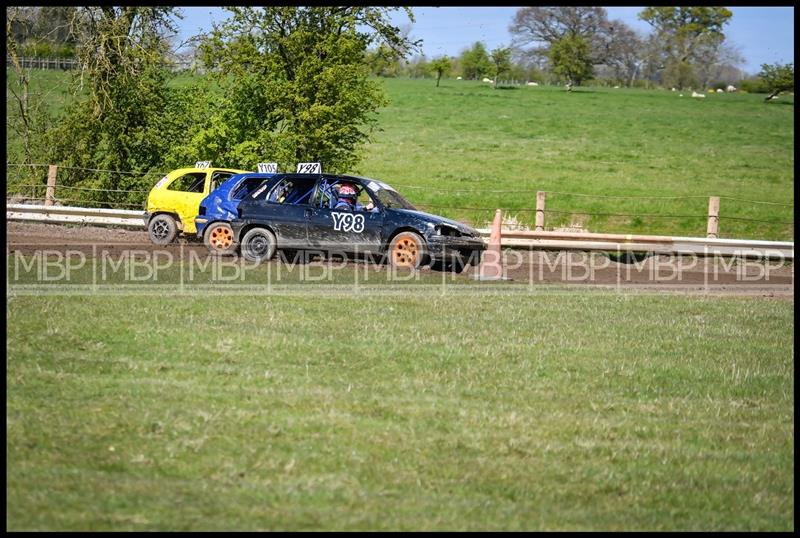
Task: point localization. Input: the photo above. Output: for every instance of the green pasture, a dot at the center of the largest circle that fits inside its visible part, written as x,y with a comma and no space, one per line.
559,410
450,149
598,141
420,406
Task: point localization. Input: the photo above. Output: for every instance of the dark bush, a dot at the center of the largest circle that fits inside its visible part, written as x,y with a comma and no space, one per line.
754,85
46,49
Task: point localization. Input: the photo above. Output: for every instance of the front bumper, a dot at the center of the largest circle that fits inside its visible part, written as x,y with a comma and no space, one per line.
448,247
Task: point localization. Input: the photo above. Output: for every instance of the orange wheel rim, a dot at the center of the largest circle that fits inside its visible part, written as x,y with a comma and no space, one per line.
405,252
221,238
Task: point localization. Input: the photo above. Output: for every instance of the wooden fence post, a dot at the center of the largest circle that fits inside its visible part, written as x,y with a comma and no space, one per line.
540,196
50,195
713,217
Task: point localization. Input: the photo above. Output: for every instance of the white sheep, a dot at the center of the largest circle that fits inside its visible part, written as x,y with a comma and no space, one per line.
533,83
699,95
458,78
487,79
730,88
720,90
673,89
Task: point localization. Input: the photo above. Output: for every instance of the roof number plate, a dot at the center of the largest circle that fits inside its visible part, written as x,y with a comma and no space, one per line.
309,168
202,164
267,168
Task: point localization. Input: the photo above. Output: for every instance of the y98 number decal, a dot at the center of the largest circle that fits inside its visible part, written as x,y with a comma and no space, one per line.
348,222
309,168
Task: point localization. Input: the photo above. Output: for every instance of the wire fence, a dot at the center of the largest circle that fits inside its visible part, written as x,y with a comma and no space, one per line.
60,167
587,195
96,187
66,64
637,199
27,62
597,214
87,187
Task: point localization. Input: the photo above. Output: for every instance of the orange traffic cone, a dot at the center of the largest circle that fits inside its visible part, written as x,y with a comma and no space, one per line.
492,260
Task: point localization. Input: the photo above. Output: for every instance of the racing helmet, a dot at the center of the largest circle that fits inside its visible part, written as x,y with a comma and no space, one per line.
347,191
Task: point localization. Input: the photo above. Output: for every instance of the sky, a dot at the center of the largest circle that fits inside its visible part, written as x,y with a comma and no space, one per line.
762,34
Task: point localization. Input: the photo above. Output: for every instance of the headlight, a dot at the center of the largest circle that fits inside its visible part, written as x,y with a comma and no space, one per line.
447,231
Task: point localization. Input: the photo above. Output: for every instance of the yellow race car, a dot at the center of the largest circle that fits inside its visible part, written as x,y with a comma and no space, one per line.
174,202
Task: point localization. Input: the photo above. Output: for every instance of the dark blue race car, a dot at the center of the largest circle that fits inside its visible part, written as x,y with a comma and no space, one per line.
339,214
219,208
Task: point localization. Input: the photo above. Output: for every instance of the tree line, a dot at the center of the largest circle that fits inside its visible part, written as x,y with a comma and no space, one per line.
283,84
293,84
569,45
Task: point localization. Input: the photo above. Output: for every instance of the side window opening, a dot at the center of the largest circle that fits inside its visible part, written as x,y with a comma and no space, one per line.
364,198
250,184
218,178
326,193
294,191
193,182
329,197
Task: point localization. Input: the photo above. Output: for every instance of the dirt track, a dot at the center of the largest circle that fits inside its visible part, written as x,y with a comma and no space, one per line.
700,275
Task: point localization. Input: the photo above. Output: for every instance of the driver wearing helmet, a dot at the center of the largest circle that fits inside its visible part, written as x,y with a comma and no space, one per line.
348,199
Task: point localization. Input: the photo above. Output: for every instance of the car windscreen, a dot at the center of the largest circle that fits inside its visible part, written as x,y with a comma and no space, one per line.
387,196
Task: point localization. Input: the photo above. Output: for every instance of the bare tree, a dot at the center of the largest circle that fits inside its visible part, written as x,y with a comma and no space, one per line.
612,44
623,51
712,58
653,61
539,27
549,24
116,44
27,115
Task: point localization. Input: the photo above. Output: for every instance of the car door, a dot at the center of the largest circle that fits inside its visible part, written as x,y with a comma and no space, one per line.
184,194
287,208
342,230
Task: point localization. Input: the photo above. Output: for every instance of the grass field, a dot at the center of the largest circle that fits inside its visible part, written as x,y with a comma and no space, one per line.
601,141
471,412
402,408
466,136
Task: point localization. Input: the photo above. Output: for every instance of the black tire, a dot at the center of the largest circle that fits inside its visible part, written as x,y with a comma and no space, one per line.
258,245
407,249
218,238
162,229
